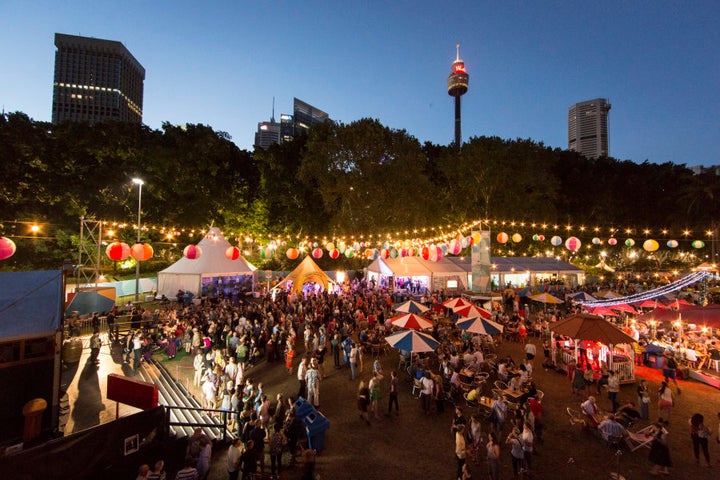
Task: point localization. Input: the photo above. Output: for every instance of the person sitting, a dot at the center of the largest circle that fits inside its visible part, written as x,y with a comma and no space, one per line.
502,371
590,410
515,383
474,394
524,374
610,430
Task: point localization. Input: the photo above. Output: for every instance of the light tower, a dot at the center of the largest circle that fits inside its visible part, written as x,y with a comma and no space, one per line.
457,84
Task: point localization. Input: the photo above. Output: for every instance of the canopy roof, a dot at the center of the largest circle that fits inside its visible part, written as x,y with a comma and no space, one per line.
186,274
415,267
307,272
584,326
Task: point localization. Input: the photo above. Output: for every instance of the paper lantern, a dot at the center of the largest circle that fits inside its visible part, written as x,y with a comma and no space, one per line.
612,241
425,253
7,248
334,253
412,251
384,253
596,241
292,253
116,251
517,238
393,252
317,252
698,244
349,252
650,245
192,252
435,253
341,247
466,242
443,248
475,238
541,238
502,237
573,244
232,253
672,243
629,242
455,248
556,241
141,252
536,237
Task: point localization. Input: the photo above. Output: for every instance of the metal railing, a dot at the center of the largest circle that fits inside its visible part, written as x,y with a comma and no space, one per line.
198,424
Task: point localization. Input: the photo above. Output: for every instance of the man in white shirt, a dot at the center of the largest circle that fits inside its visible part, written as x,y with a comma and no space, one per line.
530,351
301,373
426,392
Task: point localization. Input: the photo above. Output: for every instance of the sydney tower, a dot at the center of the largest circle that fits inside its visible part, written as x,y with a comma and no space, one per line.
457,84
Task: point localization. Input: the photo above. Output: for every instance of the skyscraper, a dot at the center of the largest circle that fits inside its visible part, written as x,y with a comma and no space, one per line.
588,128
268,133
305,116
96,80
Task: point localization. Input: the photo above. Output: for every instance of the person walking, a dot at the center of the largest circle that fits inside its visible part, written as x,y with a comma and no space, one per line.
312,381
460,449
665,400
493,456
670,370
363,400
353,359
95,344
374,387
393,394
302,383
699,435
613,386
233,459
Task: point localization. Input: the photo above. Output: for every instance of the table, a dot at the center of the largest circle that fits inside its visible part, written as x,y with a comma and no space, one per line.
515,395
466,372
486,402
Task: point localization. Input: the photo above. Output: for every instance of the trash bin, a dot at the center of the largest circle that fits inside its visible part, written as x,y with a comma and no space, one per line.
315,426
303,407
33,412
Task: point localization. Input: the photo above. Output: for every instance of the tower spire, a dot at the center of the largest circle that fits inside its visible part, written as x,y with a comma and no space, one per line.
457,85
272,117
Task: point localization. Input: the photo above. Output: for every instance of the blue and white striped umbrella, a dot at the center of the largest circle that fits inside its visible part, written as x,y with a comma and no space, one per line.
412,341
479,325
411,306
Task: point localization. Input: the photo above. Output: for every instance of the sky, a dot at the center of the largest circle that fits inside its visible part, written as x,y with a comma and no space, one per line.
221,63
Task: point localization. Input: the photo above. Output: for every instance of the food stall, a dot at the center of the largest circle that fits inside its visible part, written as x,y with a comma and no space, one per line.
591,340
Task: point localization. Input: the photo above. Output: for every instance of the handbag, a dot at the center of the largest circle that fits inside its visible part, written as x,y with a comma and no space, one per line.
645,399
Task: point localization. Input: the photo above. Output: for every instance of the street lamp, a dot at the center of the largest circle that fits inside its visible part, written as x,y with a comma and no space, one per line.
139,183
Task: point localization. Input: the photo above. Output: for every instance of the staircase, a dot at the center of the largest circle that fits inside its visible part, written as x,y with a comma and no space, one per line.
173,394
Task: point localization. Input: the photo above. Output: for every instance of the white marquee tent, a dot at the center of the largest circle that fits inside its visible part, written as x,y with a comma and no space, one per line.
188,275
434,275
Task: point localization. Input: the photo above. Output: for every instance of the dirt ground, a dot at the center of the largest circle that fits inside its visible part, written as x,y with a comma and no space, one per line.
413,445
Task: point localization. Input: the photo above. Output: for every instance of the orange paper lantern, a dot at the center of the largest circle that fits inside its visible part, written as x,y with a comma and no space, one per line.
292,253
141,252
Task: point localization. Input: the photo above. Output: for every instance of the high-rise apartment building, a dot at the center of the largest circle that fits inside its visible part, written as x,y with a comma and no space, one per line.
588,128
268,133
96,80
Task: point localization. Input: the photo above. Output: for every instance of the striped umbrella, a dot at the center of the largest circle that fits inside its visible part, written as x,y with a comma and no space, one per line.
456,303
411,320
479,325
474,311
412,341
411,306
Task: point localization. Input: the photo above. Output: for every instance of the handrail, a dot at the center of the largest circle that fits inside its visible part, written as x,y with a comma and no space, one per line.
197,424
187,379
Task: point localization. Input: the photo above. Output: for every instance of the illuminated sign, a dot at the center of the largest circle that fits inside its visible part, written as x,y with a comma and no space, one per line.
459,67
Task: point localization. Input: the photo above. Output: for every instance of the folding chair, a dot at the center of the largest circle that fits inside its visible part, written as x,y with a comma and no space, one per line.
576,418
500,385
639,439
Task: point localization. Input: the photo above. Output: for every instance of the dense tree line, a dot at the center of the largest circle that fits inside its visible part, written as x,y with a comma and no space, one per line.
341,179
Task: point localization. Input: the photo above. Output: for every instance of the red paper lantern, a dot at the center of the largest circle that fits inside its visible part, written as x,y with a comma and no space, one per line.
334,253
192,252
317,252
232,253
7,248
292,253
118,251
141,252
425,253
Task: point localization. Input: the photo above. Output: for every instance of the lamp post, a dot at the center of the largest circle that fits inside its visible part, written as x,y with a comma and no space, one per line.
139,183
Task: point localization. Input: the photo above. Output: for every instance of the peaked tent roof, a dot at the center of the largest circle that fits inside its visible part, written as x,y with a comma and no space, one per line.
307,271
379,266
212,262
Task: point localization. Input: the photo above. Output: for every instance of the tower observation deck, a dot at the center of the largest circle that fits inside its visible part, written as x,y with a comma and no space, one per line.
457,85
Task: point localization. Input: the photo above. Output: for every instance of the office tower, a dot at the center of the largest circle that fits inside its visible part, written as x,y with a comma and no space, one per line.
457,85
305,116
588,128
268,133
96,80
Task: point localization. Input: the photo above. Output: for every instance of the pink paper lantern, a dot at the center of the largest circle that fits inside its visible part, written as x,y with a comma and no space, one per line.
232,253
612,241
573,244
192,252
141,252
7,248
317,253
118,251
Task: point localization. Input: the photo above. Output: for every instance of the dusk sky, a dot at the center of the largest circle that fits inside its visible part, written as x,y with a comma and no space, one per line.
220,63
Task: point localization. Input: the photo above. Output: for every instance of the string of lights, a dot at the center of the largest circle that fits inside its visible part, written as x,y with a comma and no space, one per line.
649,294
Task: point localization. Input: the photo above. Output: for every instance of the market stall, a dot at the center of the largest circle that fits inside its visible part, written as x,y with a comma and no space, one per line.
590,340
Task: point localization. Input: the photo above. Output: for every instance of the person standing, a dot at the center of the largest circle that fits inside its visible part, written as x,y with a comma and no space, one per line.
527,441
374,387
312,381
353,359
393,396
659,451
426,391
233,459
670,370
699,435
137,345
363,400
516,452
335,347
613,385
277,441
643,393
198,364
95,344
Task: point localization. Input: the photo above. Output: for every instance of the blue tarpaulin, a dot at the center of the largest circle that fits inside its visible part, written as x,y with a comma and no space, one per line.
30,303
